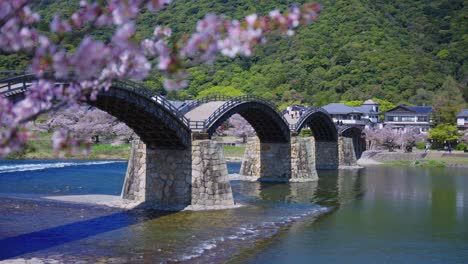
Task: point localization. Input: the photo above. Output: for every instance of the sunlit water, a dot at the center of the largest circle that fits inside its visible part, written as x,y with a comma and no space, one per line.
373,215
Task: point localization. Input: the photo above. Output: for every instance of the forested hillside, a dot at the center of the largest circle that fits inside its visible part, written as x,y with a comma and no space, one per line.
401,51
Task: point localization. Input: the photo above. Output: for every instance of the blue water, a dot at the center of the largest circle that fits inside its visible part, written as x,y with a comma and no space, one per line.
66,177
61,177
372,215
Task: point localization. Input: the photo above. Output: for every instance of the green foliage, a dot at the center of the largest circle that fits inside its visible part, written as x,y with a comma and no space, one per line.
444,133
306,132
394,50
352,103
224,90
448,102
384,106
420,145
461,146
430,164
234,151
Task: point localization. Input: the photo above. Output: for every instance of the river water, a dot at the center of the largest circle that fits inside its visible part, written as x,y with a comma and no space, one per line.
371,215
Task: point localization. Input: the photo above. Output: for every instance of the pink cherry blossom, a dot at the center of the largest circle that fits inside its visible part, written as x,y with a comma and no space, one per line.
66,77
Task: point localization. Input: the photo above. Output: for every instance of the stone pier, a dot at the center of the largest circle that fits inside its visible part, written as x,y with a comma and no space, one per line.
346,152
280,162
210,183
158,178
169,179
326,155
251,163
267,161
303,159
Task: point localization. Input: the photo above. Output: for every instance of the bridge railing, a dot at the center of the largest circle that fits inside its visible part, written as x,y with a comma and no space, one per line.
205,99
343,128
304,115
12,73
144,91
197,125
238,100
17,84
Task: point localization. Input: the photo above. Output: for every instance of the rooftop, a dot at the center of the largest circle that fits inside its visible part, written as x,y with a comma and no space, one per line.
420,109
463,113
414,109
340,108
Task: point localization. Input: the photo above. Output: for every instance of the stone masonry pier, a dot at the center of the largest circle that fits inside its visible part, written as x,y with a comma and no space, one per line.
346,152
195,178
293,162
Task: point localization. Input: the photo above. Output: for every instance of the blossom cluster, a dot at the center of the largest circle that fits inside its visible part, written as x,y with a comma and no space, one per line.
95,64
391,138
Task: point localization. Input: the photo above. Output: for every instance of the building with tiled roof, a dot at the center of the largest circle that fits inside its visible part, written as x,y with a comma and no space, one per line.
462,119
404,118
366,115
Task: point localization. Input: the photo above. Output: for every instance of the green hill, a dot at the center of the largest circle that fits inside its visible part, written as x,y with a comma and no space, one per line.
400,51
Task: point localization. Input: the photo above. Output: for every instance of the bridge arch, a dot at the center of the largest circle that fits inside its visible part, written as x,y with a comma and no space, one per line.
153,119
160,163
355,134
268,155
320,122
262,115
325,136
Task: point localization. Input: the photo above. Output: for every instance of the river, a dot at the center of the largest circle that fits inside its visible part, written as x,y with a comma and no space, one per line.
371,215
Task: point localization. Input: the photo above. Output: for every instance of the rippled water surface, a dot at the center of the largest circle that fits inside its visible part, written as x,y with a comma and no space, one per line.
376,215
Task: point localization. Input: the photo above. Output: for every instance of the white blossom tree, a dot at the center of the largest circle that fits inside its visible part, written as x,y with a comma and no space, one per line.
385,137
390,138
239,127
90,123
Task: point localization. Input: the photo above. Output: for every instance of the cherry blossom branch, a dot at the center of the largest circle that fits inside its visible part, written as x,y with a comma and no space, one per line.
95,64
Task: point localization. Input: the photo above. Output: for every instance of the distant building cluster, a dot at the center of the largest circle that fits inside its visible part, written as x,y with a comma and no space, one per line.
402,118
368,115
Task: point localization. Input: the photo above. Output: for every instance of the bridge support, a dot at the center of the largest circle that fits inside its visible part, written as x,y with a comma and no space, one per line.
210,183
346,152
169,179
293,161
158,178
303,159
326,155
267,161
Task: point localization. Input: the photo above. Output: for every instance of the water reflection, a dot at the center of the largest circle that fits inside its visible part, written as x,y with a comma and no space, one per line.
268,192
395,215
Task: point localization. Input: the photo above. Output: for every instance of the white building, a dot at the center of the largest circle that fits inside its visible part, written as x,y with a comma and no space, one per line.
404,118
365,115
462,120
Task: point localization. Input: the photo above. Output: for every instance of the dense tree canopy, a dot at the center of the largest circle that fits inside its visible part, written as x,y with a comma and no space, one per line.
400,51
444,133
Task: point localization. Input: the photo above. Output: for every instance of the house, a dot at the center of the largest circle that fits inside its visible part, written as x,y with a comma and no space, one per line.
366,115
404,118
462,120
346,114
370,110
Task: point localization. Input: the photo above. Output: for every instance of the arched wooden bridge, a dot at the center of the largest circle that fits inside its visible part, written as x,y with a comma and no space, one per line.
175,164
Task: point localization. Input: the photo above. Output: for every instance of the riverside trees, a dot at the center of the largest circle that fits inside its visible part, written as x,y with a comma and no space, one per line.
95,63
391,139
